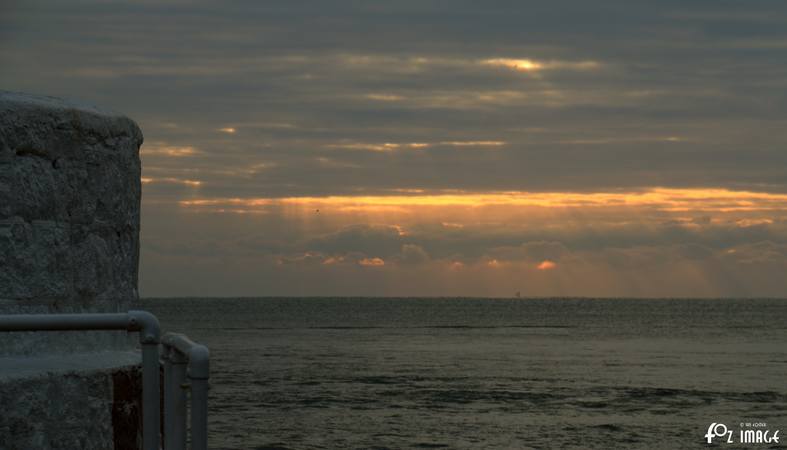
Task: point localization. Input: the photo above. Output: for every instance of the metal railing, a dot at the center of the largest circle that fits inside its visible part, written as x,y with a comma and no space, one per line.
178,350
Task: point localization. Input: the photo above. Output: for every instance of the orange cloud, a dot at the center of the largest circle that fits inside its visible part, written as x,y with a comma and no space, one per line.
333,260
522,65
394,146
171,180
384,97
546,265
530,65
372,262
672,200
164,149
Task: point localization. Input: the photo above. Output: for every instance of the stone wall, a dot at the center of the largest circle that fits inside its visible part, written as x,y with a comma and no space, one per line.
69,242
69,214
80,401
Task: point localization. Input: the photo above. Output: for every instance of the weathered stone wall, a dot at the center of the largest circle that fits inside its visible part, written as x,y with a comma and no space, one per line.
69,242
87,401
69,214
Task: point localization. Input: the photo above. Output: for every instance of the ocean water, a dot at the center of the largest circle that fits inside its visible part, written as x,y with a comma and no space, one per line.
339,373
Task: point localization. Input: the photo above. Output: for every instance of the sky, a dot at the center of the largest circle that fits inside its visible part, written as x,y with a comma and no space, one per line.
437,148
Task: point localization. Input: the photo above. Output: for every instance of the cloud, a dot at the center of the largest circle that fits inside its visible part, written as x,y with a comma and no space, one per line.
695,201
372,262
460,152
384,97
171,180
758,253
394,146
382,240
532,251
596,245
163,149
529,65
413,254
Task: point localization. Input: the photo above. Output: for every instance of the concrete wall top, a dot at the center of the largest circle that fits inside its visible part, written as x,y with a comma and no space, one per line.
69,215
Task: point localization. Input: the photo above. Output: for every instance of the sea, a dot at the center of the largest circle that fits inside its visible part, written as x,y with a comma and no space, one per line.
480,373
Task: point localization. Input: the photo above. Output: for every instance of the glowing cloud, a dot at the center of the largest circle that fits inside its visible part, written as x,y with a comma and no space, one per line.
672,200
333,260
394,146
163,149
452,225
171,180
382,147
384,97
372,262
456,265
546,265
753,222
522,65
473,143
529,65
614,140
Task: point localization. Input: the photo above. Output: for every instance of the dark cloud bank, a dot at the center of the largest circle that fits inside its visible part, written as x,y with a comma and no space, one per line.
264,100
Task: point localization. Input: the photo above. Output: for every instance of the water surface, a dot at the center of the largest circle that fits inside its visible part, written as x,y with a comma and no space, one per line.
306,373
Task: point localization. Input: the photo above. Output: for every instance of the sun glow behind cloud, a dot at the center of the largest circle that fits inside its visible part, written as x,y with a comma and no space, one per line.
394,146
164,149
523,65
461,164
662,199
171,180
529,65
384,97
371,262
455,242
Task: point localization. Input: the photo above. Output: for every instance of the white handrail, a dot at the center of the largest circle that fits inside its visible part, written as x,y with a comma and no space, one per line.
179,350
149,335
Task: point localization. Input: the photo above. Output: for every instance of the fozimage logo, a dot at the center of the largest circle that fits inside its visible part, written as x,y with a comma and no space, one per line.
718,430
748,433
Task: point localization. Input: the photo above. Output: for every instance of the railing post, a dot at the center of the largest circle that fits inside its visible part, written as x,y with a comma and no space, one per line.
199,414
199,372
174,400
150,397
168,398
181,349
149,337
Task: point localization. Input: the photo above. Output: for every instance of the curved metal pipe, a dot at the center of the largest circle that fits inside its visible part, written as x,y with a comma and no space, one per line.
179,349
149,335
198,373
147,324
